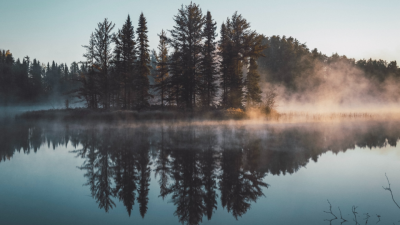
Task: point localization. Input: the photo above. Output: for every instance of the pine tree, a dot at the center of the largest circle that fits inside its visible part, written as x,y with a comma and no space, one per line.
143,64
253,96
175,82
36,74
162,68
89,91
7,84
125,51
186,40
21,79
238,43
208,63
225,64
102,59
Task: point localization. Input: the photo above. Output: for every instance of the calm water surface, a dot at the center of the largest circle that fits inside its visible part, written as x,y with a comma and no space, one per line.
58,173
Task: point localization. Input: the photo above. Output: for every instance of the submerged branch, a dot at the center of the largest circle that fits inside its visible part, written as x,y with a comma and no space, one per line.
389,189
367,216
341,217
353,209
330,212
379,217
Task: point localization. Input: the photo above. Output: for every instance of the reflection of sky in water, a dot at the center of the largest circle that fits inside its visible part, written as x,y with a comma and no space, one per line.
46,187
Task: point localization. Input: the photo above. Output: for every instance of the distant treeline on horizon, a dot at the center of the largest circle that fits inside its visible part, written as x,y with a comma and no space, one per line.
190,68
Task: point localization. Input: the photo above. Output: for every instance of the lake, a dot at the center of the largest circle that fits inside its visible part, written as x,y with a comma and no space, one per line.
199,173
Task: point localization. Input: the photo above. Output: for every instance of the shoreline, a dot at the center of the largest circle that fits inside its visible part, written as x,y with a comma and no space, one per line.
128,115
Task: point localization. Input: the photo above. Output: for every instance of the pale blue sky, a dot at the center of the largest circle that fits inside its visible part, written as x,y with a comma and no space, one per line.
55,30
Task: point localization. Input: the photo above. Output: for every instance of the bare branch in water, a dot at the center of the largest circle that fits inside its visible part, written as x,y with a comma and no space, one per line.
353,209
390,189
330,212
379,217
367,216
341,217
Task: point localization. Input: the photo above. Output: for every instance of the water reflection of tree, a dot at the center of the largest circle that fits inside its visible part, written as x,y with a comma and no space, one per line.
99,168
239,186
192,163
126,175
115,164
186,188
143,171
209,159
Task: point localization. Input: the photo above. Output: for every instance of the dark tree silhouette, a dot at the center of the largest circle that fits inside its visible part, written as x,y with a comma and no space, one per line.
162,69
143,64
208,85
186,42
125,56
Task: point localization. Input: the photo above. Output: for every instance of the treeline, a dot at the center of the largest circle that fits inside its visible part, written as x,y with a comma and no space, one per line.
31,82
190,68
290,63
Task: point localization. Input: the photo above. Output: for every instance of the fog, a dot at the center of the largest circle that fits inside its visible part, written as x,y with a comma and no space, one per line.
340,87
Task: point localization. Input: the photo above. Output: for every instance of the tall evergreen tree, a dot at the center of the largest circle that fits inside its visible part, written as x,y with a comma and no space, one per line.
162,67
125,48
6,77
225,64
36,74
253,95
102,58
143,64
208,64
21,79
175,81
187,37
238,43
89,89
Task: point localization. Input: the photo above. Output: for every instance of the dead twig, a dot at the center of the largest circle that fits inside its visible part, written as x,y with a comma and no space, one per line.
341,217
367,216
379,217
390,189
330,212
353,209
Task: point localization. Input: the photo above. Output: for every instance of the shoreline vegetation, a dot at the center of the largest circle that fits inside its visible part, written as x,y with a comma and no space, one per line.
200,69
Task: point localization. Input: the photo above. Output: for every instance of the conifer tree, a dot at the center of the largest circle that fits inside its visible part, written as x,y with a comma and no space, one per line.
208,63
89,91
21,79
253,95
162,68
186,40
143,64
125,50
175,82
102,58
238,43
6,77
36,74
225,64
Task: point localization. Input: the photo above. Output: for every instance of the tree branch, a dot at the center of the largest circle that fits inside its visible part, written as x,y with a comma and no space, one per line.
389,189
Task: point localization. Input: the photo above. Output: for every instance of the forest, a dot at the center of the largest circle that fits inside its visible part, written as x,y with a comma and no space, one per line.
196,66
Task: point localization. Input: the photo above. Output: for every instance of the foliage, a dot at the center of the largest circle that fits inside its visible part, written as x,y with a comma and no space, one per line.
191,70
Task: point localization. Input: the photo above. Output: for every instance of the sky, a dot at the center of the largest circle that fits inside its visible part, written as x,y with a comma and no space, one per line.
56,30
